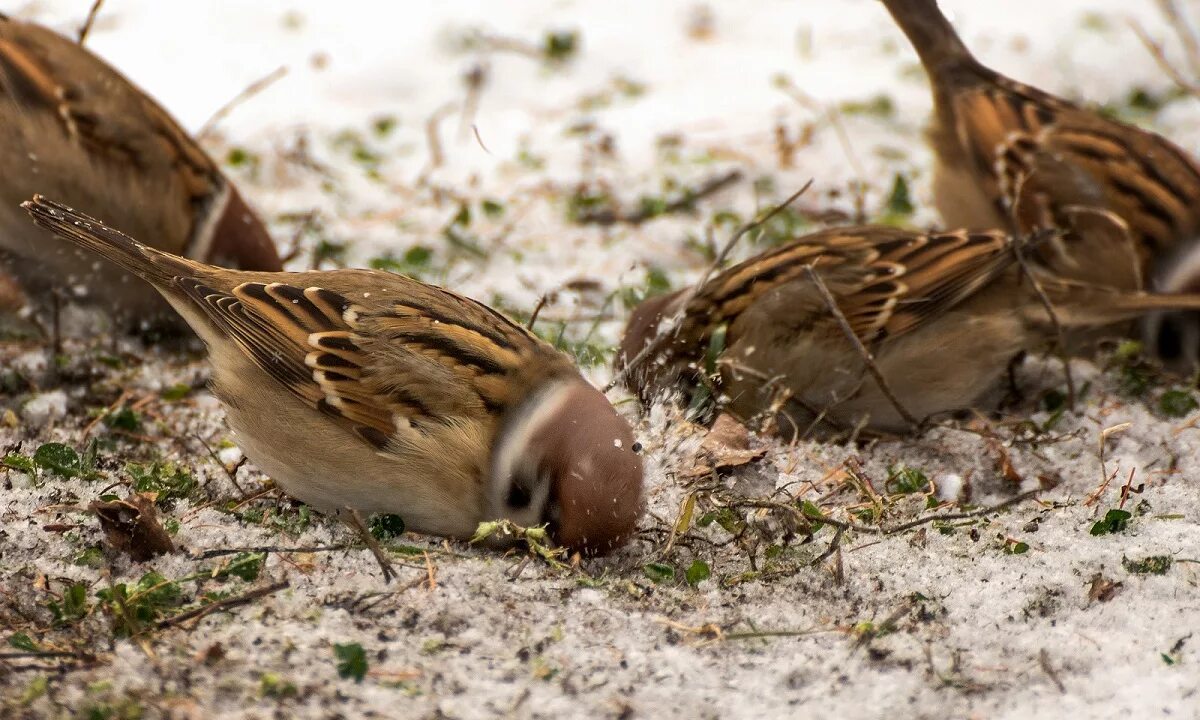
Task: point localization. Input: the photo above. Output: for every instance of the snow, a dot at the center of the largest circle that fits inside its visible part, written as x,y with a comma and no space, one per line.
984,632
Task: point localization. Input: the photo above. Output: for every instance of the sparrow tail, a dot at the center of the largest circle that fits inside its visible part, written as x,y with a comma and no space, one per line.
931,34
152,265
1078,305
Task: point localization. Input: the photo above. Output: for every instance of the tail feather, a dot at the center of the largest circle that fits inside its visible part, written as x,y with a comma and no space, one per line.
154,266
933,37
1079,304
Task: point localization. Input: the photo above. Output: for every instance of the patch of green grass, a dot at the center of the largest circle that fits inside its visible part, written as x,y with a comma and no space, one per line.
905,480
1177,403
170,482
880,106
273,686
899,205
176,392
1152,565
134,609
416,262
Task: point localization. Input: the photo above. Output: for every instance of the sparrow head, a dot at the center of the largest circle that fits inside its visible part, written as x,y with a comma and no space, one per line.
565,458
640,331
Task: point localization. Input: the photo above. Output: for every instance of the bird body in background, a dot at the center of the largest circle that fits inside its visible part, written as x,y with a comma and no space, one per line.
73,127
942,315
369,391
1011,156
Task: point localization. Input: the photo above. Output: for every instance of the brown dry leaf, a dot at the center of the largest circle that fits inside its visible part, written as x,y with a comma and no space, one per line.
1004,462
726,446
131,526
1102,588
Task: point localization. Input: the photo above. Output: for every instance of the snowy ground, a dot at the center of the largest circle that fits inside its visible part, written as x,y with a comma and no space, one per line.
728,604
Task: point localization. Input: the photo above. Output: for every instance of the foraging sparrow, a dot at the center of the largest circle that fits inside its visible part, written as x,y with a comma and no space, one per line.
941,314
73,127
1009,155
366,390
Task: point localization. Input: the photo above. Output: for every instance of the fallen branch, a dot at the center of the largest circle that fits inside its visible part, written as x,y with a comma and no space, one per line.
223,604
609,216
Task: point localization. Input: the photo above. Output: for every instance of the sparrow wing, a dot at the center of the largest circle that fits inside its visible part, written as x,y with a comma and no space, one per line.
885,281
388,361
1042,159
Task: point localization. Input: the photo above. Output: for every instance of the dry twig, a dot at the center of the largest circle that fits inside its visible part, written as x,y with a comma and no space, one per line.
867,358
250,91
672,328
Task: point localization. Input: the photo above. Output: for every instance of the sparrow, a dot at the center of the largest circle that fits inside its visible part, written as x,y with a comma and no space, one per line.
362,390
73,127
939,315
1012,156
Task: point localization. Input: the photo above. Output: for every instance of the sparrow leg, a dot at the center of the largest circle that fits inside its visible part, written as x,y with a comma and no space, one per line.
355,521
1013,395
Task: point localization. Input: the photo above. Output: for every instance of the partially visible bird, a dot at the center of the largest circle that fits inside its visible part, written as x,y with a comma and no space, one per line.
941,314
368,391
1012,156
73,127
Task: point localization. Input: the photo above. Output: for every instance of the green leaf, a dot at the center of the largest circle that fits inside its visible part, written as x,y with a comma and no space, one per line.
386,527
92,557
697,573
659,572
246,566
1015,547
21,641
352,661
1177,403
72,607
905,480
1114,521
23,463
492,208
58,459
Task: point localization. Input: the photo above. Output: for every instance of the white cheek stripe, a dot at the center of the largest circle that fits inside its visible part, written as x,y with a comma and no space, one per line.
514,443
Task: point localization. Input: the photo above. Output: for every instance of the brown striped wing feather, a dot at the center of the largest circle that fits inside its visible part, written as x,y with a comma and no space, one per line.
403,356
887,282
1049,162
